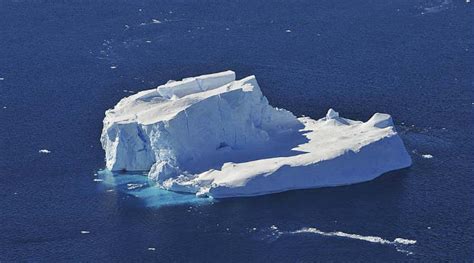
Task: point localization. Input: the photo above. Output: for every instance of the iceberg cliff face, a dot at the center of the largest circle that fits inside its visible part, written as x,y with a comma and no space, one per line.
216,136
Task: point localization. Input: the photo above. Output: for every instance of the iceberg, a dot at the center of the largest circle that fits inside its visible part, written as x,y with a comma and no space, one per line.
219,137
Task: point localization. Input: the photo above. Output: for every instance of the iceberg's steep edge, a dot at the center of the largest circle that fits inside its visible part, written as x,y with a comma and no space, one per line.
216,136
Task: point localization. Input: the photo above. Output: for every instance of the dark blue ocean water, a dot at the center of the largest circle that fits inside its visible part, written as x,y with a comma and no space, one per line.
63,63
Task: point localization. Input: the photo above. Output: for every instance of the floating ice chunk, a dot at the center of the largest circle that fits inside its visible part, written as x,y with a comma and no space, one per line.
156,21
113,67
427,156
85,232
288,31
45,151
134,186
215,136
151,249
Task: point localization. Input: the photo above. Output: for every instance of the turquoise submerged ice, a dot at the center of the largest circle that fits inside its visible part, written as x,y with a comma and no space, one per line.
139,186
216,136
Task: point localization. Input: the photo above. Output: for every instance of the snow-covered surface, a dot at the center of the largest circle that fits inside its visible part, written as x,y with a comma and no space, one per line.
216,136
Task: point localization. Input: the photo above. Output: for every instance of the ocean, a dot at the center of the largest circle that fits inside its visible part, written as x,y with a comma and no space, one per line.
63,63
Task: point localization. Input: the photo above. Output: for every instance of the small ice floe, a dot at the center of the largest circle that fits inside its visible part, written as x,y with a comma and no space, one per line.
85,232
155,21
288,31
45,151
98,180
134,186
151,249
427,156
113,67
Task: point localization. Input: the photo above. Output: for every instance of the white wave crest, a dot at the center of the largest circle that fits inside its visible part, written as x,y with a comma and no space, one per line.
373,239
404,241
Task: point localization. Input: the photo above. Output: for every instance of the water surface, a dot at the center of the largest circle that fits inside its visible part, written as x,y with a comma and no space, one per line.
62,64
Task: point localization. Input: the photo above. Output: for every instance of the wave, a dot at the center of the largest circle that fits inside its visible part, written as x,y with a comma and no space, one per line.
400,244
441,6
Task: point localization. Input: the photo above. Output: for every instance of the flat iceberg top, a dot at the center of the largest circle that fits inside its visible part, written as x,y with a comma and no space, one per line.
216,136
164,102
326,140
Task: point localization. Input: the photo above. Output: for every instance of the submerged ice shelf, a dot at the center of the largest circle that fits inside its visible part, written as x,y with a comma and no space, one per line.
216,136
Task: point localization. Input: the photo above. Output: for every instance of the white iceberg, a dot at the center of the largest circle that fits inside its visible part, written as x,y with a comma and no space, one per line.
216,136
